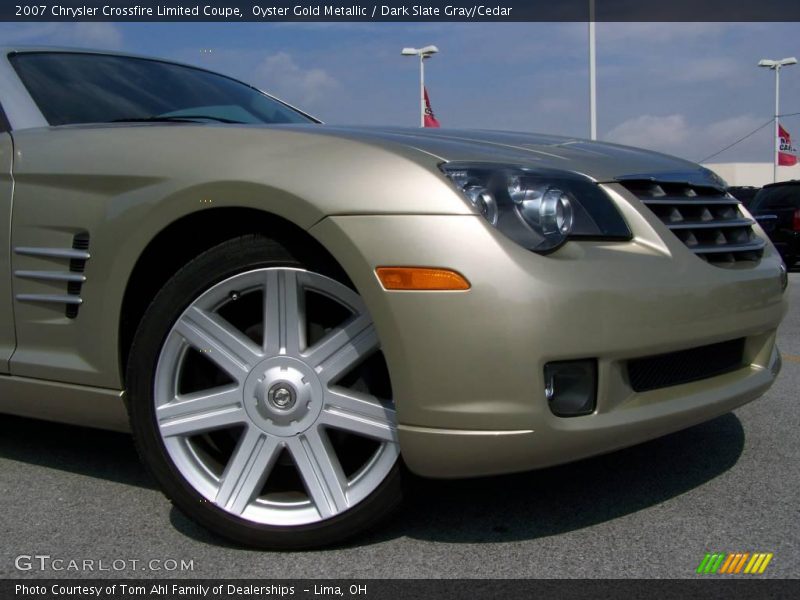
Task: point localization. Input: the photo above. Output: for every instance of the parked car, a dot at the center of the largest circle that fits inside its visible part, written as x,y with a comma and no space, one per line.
743,193
284,313
777,209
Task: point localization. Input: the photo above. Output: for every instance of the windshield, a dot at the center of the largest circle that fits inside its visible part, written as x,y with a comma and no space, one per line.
71,88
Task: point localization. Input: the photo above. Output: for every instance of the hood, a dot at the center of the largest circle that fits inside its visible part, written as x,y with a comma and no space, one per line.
601,161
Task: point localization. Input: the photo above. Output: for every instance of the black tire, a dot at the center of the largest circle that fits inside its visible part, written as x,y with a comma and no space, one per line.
225,260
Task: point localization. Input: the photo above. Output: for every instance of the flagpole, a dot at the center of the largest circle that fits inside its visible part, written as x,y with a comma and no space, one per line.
422,90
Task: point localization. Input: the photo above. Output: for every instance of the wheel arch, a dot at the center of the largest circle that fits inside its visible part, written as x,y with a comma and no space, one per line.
191,234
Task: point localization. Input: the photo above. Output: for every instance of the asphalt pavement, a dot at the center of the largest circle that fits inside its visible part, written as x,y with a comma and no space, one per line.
654,510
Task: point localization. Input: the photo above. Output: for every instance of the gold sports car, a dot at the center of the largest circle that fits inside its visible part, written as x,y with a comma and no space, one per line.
285,313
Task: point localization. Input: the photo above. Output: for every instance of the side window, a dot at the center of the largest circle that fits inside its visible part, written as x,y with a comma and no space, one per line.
4,126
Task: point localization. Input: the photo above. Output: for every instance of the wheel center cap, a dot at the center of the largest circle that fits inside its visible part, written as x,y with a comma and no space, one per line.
282,396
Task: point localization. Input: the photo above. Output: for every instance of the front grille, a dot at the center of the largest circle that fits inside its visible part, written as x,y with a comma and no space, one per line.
705,218
675,368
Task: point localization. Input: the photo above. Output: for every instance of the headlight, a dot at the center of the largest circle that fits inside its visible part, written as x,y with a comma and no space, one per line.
539,209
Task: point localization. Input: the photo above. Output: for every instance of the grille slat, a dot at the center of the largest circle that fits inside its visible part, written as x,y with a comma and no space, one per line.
748,247
710,224
706,219
691,201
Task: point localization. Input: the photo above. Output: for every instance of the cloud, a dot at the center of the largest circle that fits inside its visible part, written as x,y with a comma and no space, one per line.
99,35
674,133
282,76
648,131
729,130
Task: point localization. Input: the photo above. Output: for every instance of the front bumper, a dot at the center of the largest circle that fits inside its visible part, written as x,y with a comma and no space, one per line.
467,367
465,453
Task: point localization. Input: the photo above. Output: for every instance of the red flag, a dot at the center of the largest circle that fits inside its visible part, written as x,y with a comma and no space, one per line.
787,153
430,120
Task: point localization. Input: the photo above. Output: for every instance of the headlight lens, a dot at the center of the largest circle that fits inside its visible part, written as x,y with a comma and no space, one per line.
538,208
483,201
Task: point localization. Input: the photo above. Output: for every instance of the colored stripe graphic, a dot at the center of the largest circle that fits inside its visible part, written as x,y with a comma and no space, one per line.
701,567
729,562
754,563
741,562
711,562
718,563
723,563
764,564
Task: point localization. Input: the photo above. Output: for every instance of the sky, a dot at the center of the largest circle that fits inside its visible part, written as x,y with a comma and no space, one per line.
687,89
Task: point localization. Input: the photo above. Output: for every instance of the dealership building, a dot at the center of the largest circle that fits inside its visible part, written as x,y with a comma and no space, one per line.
751,173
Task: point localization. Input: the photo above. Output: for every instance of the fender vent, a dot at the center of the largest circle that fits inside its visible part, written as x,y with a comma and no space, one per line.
77,265
73,278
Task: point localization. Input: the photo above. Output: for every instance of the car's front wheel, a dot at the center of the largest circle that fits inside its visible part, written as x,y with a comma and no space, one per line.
260,401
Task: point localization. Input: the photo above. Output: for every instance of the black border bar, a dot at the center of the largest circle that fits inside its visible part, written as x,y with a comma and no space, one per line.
399,10
740,587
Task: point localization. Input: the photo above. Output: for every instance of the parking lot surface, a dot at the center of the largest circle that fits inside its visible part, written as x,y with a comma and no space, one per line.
654,510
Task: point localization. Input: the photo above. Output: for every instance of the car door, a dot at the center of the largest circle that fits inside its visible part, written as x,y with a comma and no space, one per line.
7,337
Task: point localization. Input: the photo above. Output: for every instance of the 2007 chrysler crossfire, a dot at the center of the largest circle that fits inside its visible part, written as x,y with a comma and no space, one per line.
283,312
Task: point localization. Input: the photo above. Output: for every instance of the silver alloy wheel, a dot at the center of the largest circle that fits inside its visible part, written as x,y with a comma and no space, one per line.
282,397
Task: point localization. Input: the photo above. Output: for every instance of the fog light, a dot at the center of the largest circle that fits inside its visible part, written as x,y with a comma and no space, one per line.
571,387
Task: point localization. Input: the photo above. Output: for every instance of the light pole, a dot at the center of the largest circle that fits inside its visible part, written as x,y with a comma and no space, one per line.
592,75
423,53
776,65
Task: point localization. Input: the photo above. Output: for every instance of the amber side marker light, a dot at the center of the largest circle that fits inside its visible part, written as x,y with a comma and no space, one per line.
421,279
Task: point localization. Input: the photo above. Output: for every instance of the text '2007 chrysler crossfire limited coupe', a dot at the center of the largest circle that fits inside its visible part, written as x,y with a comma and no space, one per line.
284,313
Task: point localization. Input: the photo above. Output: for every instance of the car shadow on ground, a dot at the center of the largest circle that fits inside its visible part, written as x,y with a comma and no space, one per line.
560,499
491,509
91,452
